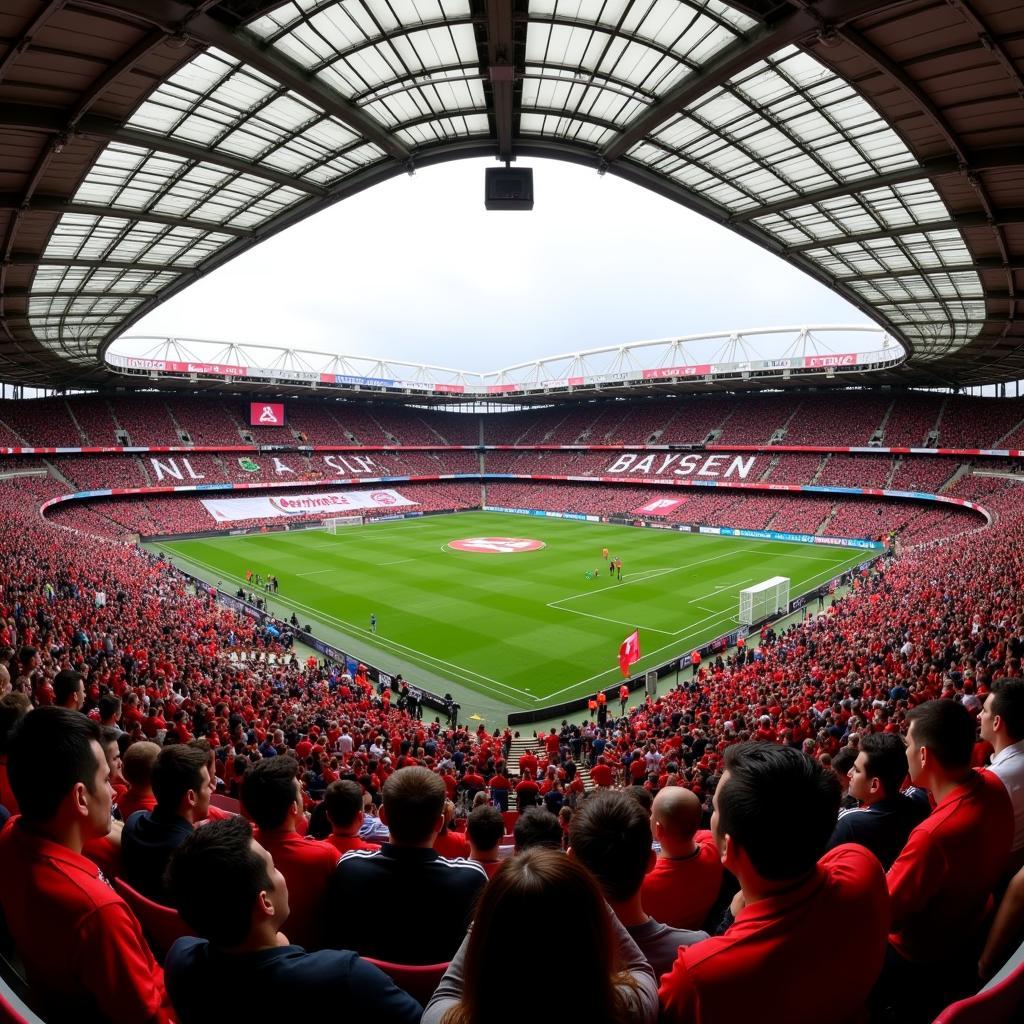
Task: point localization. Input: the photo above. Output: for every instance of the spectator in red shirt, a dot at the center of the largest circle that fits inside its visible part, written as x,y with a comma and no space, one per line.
775,809
272,797
450,843
137,767
485,827
343,802
69,690
528,763
500,785
527,793
684,882
13,706
941,885
83,951
601,773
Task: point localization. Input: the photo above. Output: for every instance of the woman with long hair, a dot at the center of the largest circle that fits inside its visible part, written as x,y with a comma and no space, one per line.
599,976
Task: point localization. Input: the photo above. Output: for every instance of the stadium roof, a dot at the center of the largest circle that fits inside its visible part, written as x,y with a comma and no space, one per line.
878,146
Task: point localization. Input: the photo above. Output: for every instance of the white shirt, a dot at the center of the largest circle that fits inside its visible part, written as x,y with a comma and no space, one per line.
1008,764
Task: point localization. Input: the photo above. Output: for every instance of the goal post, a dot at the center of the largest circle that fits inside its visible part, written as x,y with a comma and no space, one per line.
764,600
335,523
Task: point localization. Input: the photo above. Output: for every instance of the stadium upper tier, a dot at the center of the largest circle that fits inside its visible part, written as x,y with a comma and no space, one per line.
904,419
876,145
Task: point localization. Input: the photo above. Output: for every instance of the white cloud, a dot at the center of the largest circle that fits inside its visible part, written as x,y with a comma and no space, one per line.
416,269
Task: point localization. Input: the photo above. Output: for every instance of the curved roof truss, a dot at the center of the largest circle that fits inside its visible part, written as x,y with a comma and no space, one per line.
876,144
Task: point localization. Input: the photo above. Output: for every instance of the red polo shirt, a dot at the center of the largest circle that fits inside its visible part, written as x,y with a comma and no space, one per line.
941,884
451,844
795,948
601,775
307,865
84,952
680,891
345,843
132,802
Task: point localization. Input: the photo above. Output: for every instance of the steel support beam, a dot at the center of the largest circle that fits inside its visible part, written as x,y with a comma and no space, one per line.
54,121
501,70
179,20
759,43
56,204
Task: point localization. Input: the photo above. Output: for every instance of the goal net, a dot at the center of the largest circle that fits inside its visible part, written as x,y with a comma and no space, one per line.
335,523
764,600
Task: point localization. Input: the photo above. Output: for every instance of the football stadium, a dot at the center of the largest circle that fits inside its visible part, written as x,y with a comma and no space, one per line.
706,647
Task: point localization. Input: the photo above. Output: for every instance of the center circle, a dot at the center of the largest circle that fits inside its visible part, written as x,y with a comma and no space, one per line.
496,545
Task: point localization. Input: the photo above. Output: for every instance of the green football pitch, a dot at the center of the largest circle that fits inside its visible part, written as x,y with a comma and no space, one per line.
527,627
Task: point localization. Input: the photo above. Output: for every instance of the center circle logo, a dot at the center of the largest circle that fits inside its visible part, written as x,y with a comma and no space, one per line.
496,545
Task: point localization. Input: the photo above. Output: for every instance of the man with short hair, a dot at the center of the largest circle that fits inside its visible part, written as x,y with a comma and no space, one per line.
940,887
343,802
775,809
485,827
398,875
69,690
610,834
181,785
272,797
537,826
1002,725
229,890
684,882
137,764
885,818
84,953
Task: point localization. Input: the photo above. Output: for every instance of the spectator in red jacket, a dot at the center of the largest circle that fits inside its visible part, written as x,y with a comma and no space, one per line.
272,797
84,953
775,809
941,885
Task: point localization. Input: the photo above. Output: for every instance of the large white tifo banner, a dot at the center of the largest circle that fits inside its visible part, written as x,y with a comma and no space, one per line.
331,503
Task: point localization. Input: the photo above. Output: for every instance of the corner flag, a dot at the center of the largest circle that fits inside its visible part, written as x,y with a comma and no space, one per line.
629,651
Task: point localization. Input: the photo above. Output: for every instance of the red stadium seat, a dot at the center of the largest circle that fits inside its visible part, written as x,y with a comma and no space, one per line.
1002,1003
226,803
418,980
162,925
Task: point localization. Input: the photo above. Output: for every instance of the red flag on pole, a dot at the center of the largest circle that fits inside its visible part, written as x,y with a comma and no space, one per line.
629,651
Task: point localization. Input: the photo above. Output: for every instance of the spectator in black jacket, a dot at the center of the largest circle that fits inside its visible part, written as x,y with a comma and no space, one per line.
227,889
397,876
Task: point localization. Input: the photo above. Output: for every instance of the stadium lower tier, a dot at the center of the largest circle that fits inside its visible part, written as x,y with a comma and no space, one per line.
121,517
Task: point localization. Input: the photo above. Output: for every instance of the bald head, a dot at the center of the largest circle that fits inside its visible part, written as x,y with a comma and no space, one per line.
675,817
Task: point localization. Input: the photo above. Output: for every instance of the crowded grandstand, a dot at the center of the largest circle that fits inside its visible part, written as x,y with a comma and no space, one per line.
670,681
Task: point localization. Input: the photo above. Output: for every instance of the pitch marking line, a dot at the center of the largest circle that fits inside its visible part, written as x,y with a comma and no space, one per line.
699,627
315,572
718,592
629,580
464,675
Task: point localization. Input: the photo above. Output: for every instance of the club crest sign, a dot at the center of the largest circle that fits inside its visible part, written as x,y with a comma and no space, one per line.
496,545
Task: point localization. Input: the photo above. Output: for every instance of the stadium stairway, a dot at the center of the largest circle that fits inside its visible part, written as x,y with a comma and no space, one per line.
520,745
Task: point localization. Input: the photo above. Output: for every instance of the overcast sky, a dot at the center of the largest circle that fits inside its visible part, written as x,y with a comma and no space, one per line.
416,269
